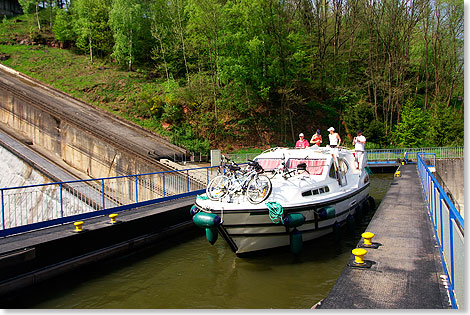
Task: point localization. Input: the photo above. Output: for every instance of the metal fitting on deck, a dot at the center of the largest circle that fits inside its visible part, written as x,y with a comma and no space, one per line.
113,217
78,226
367,238
397,173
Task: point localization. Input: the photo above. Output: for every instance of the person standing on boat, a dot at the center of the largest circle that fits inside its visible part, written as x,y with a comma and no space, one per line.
335,139
302,143
316,138
359,143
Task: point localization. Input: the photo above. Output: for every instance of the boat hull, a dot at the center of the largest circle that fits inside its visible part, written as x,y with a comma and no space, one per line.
249,230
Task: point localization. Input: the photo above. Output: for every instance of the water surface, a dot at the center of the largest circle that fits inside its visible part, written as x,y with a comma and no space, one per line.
192,274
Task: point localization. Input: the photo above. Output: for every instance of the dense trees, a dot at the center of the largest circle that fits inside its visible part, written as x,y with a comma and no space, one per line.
260,71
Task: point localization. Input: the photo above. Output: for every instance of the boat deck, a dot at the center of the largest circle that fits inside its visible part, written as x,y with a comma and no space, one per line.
406,268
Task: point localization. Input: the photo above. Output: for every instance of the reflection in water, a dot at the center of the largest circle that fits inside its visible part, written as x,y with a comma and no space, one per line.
192,274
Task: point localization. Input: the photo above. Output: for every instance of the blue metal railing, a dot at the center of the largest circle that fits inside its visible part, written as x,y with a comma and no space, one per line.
448,227
385,155
32,207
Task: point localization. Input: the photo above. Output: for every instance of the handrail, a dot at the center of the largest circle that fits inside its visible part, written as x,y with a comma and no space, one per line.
448,227
382,154
25,208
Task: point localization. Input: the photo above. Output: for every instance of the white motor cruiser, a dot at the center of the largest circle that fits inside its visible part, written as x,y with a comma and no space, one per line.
284,197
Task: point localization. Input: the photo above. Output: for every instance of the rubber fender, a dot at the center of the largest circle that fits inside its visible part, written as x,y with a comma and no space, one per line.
212,235
327,213
193,210
337,231
360,213
371,203
206,220
351,223
296,242
294,220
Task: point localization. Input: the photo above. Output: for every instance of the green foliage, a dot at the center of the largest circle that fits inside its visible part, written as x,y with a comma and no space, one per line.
254,72
446,126
28,6
126,22
63,26
411,131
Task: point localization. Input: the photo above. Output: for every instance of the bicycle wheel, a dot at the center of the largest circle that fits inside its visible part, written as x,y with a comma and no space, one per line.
258,189
218,187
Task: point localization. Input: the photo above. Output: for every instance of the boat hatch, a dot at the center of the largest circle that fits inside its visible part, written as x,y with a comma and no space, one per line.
316,191
314,166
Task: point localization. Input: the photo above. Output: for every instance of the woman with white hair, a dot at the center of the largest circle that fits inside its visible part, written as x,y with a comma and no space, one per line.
335,139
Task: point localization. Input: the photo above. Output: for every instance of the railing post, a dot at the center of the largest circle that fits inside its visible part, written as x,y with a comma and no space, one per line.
3,212
102,192
136,190
207,176
163,178
187,180
451,246
61,202
441,200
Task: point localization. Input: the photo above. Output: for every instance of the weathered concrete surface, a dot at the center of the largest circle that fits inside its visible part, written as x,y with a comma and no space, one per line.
87,138
451,173
406,268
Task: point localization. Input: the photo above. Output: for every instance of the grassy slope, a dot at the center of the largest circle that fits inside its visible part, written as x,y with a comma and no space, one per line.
101,84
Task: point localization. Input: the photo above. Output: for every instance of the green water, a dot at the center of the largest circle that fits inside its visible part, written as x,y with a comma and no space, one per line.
192,274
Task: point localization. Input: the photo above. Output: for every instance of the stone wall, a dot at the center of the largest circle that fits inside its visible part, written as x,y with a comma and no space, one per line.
451,177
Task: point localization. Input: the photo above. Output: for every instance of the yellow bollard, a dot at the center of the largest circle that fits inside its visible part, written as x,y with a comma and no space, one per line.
403,163
397,173
113,217
78,226
359,254
367,238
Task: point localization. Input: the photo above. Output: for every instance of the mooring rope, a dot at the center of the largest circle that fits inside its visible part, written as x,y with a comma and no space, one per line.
276,212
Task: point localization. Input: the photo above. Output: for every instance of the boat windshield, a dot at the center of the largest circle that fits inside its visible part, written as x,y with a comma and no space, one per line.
314,166
269,164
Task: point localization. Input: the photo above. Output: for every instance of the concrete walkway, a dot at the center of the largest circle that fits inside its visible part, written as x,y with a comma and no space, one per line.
406,268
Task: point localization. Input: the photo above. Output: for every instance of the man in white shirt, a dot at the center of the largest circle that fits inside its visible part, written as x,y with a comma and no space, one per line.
359,143
335,139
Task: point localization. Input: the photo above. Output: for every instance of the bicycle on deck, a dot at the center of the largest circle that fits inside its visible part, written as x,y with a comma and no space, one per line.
239,182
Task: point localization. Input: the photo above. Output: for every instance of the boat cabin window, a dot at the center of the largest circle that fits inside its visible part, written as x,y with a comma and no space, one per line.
316,191
269,164
314,166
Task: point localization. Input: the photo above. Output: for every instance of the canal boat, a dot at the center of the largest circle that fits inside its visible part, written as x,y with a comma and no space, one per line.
309,193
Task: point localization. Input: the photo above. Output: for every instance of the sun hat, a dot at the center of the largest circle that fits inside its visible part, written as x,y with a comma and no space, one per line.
301,135
331,129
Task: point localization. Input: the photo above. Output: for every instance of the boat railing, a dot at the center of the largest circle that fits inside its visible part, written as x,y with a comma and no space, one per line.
448,227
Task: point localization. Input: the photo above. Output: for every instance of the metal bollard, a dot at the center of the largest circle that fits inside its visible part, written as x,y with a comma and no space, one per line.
113,217
367,238
78,226
359,254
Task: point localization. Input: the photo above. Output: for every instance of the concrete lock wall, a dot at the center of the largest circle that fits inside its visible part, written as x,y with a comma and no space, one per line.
451,172
78,148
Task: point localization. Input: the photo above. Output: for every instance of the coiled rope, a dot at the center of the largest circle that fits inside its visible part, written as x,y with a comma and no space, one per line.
276,212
